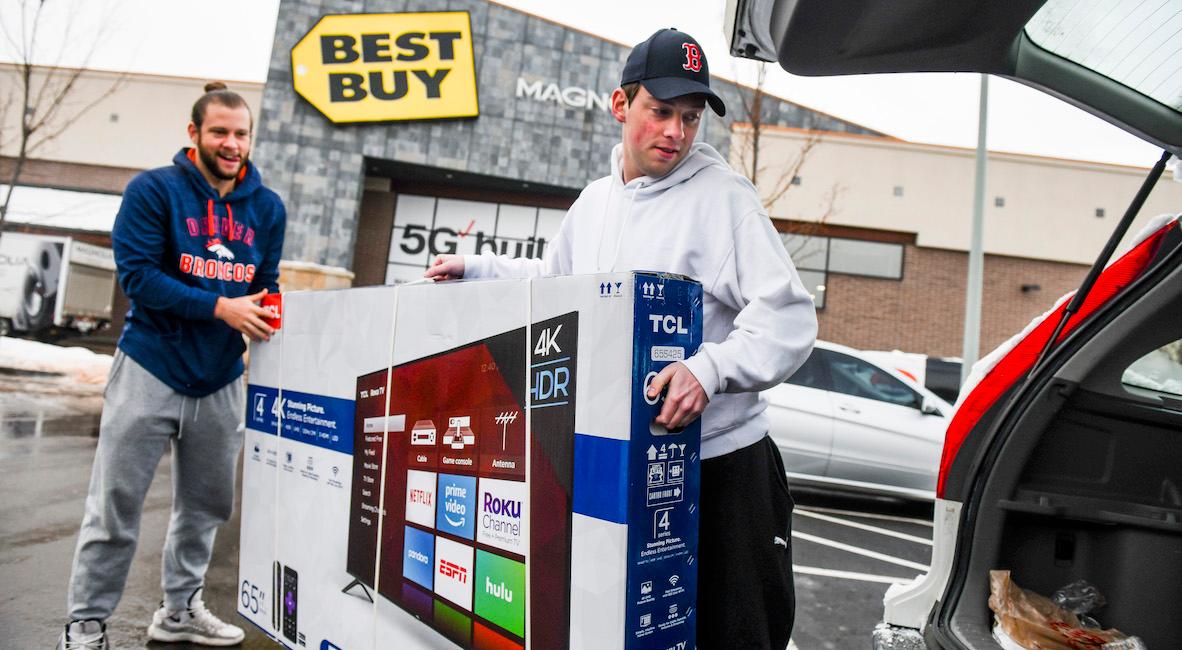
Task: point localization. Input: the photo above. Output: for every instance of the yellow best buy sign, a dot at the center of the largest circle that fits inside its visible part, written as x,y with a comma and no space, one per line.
381,67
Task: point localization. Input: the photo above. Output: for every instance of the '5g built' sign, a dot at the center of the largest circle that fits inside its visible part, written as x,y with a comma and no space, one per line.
382,67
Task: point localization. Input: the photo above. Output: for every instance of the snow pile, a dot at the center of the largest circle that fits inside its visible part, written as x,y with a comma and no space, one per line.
1160,370
74,364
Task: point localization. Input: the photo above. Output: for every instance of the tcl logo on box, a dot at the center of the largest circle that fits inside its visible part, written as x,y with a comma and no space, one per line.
667,324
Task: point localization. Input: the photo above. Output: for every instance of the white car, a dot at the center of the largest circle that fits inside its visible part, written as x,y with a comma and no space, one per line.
846,422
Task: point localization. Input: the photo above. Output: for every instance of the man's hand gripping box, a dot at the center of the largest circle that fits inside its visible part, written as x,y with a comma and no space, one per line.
473,464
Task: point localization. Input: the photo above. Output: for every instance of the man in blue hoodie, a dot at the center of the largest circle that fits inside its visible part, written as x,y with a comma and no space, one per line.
672,204
197,245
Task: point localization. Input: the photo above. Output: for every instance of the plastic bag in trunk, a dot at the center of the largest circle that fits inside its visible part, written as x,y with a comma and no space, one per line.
1030,621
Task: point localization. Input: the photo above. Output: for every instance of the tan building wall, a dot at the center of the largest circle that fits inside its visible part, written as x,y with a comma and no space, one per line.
133,121
924,312
1049,207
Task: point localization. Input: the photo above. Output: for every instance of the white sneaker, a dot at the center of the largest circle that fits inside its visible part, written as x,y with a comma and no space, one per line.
84,635
195,625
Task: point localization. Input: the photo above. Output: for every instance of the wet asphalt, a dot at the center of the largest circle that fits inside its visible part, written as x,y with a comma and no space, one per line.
47,444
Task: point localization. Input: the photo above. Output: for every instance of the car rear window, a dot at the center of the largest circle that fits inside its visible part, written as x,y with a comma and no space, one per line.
858,378
1160,370
1133,42
811,374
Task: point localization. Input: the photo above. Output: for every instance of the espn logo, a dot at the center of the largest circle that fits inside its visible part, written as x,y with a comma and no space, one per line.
453,571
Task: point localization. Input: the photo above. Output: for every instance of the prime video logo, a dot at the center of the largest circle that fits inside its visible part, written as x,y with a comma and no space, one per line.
456,510
453,504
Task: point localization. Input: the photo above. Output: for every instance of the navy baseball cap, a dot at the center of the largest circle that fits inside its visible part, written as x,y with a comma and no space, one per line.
671,64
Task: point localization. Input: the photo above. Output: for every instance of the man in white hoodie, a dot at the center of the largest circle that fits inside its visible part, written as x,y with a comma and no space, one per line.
676,206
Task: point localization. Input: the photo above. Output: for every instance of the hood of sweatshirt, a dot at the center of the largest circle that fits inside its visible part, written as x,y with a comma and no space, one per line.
624,204
249,179
700,156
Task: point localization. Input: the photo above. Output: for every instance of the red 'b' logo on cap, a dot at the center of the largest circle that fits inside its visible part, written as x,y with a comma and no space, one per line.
693,57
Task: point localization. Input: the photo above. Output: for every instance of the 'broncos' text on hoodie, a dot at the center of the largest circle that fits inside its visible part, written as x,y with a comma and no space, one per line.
759,326
178,247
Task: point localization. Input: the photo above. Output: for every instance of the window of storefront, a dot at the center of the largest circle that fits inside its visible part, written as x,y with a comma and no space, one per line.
427,226
816,257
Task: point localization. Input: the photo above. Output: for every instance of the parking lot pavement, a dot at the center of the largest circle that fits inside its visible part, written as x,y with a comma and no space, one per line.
44,473
846,552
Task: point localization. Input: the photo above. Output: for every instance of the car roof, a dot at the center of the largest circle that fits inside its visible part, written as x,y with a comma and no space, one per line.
1132,77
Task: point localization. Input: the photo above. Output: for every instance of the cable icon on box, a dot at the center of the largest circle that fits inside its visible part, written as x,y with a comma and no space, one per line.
423,433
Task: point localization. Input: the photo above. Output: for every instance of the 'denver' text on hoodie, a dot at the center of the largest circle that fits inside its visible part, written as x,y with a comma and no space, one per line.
704,221
179,246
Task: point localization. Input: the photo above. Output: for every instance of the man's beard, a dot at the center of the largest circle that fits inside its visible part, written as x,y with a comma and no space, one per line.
210,160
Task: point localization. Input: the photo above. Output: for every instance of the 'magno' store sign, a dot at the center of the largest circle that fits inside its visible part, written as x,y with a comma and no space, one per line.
382,67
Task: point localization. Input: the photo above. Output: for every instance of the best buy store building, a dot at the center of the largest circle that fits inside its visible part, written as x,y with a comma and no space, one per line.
435,127
443,127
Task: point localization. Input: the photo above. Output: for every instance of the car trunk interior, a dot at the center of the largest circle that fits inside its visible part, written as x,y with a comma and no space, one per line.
1089,485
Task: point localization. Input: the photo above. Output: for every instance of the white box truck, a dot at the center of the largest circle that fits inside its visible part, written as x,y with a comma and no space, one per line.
50,282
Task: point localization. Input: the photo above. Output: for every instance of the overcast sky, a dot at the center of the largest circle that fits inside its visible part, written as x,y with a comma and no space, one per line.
232,39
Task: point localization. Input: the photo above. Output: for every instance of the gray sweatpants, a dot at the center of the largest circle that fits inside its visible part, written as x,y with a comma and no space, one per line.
143,417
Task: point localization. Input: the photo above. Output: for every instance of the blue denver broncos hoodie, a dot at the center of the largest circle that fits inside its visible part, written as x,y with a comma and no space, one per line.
178,247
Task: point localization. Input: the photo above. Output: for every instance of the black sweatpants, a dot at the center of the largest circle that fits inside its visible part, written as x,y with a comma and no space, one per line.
746,597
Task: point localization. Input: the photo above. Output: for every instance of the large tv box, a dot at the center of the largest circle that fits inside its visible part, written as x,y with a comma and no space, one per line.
473,464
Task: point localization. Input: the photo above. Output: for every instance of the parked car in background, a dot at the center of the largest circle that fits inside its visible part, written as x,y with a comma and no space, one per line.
1063,461
844,421
941,375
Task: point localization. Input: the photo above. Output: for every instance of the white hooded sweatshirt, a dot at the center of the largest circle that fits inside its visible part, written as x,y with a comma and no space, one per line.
704,221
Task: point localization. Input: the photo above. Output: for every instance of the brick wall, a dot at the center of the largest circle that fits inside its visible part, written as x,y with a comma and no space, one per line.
68,175
924,312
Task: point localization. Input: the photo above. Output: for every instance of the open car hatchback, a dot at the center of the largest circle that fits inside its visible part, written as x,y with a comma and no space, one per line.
1063,460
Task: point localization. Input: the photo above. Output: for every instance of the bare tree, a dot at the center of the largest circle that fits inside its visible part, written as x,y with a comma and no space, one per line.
774,184
42,102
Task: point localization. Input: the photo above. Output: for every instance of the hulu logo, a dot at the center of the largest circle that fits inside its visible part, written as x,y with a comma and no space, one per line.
498,590
502,600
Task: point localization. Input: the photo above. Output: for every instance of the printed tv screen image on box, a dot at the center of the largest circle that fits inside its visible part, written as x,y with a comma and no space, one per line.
455,505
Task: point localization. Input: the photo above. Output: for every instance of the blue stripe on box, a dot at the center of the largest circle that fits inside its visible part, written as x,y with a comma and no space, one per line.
601,478
312,419
261,412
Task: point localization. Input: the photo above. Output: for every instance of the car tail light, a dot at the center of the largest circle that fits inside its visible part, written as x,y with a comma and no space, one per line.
1018,361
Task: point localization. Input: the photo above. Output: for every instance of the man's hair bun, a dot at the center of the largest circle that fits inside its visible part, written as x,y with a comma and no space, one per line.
216,91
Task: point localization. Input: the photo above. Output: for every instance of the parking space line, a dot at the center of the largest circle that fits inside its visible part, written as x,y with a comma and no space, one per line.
867,515
860,551
848,575
866,527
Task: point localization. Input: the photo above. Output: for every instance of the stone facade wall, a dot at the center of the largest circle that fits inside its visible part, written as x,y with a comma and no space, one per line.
318,167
